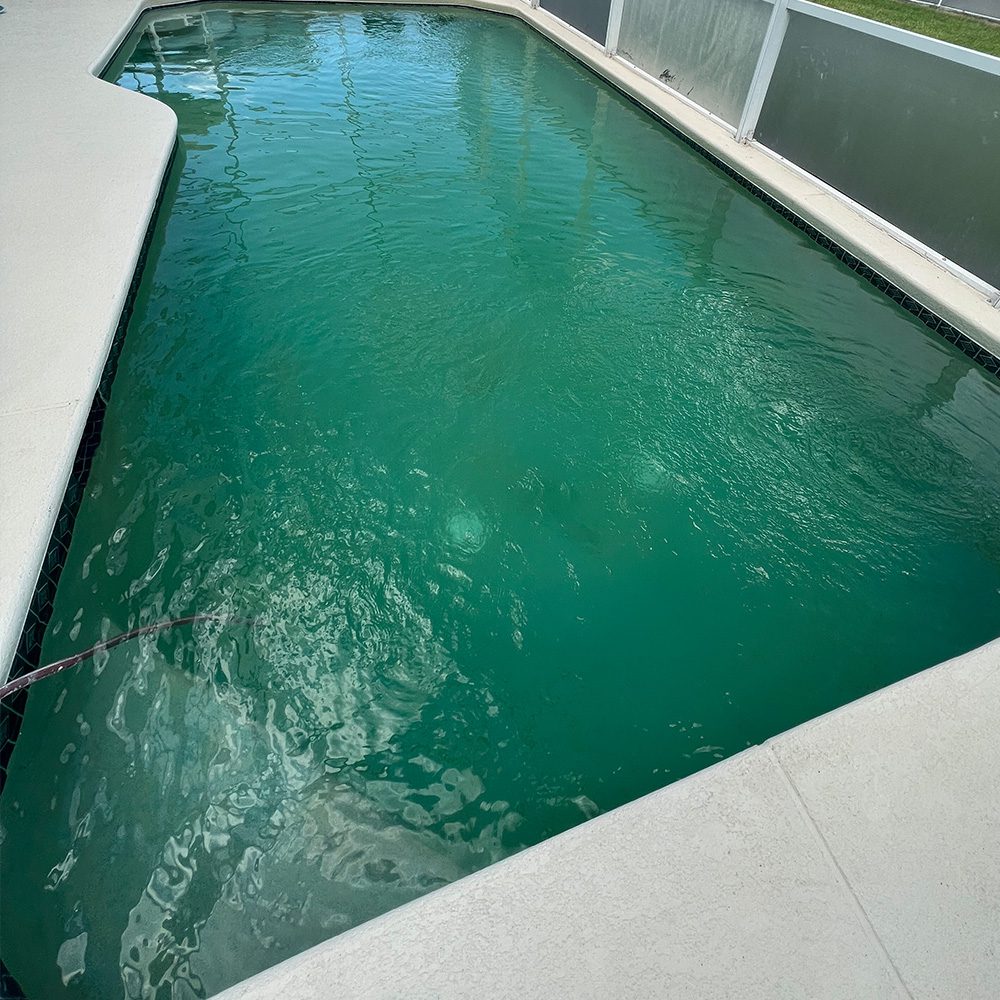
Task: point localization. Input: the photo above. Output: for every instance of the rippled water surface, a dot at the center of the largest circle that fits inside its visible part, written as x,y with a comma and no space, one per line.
553,466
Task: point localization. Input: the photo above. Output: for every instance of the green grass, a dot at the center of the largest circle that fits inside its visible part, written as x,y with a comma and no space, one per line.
971,32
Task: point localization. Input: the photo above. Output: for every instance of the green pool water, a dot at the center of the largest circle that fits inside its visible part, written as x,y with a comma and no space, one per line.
552,465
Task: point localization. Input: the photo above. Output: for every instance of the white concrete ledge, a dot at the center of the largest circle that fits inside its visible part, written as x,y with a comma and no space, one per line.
80,167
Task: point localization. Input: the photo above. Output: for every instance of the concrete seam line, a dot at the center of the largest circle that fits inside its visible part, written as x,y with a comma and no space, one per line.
841,875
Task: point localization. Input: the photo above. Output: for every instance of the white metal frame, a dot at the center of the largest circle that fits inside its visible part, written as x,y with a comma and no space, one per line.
764,70
614,27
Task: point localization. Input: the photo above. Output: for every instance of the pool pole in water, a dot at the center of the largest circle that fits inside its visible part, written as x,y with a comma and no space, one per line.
51,669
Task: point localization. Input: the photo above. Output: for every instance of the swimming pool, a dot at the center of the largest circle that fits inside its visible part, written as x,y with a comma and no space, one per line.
552,465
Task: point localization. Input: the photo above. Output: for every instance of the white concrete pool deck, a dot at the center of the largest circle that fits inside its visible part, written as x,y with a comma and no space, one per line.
856,856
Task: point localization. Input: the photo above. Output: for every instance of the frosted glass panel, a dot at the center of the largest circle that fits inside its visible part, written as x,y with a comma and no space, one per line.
589,16
706,49
913,137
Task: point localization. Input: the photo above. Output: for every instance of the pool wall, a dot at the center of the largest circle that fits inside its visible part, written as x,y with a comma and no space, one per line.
893,793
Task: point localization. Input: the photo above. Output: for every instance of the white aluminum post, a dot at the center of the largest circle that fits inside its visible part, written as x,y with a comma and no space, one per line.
766,62
614,27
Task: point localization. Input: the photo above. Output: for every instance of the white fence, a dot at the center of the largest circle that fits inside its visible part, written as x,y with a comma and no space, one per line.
906,126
